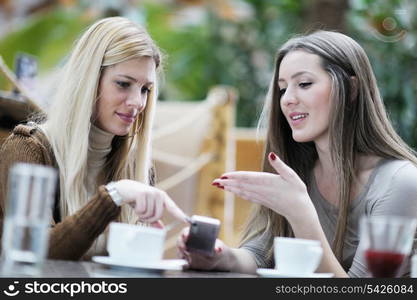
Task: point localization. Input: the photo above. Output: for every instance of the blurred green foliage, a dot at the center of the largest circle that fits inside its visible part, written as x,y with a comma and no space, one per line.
220,47
387,29
47,36
217,50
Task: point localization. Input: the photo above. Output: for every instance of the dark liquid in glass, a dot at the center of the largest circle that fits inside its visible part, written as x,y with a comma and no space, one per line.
383,263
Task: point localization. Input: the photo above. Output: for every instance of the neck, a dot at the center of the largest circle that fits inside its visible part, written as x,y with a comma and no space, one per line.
98,149
99,139
99,146
324,165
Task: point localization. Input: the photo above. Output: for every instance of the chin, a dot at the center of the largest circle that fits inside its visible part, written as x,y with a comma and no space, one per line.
301,138
118,130
122,132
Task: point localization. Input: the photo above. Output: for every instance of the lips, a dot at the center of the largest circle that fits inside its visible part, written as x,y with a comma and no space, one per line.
297,118
127,118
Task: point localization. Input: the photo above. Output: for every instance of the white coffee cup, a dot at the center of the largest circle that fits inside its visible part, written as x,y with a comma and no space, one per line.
135,243
296,256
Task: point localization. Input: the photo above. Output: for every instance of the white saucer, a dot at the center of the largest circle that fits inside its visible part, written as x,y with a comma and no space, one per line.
273,273
162,265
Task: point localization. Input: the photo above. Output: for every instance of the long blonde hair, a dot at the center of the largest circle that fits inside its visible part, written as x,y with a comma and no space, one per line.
358,125
107,42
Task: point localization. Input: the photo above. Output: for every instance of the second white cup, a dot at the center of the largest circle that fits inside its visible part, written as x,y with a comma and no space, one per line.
296,256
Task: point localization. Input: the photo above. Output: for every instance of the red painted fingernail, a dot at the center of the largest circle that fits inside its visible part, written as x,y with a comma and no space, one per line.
224,177
221,187
215,184
272,156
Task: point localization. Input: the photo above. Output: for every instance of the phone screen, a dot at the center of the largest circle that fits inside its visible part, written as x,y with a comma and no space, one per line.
203,235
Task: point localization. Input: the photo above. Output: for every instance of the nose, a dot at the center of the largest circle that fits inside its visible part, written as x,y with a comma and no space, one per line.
137,99
289,97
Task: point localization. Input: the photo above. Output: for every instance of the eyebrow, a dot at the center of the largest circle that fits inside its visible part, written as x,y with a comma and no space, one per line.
296,75
134,79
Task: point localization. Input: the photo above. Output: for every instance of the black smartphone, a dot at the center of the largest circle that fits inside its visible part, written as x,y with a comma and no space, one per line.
203,234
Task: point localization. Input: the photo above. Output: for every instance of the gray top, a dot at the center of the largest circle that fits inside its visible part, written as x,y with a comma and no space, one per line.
391,190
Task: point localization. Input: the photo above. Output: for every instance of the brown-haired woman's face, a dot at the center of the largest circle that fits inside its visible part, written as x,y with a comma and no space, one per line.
123,92
305,96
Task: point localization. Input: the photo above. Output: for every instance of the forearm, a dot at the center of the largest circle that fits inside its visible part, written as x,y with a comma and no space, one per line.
309,227
72,237
239,261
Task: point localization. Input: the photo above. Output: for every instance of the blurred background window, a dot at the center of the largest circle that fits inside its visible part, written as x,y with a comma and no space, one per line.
209,42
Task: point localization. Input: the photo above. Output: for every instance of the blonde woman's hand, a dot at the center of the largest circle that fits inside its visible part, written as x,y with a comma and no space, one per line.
284,193
148,202
200,261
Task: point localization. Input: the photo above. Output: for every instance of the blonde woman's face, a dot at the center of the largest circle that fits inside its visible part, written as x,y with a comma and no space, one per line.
123,92
305,96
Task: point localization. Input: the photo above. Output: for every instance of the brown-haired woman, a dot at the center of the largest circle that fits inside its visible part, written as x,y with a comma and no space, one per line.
331,157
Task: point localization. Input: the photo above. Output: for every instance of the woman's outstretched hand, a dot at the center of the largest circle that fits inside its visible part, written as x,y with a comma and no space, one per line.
284,192
148,202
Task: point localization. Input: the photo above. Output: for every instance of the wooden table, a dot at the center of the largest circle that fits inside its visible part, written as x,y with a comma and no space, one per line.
66,269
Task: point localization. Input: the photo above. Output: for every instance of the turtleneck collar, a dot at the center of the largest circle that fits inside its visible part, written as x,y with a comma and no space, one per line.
99,139
99,146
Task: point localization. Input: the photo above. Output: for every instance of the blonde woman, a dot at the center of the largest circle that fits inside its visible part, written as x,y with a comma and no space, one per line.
97,134
331,156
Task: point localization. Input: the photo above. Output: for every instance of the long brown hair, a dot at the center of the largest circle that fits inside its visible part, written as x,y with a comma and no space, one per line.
358,125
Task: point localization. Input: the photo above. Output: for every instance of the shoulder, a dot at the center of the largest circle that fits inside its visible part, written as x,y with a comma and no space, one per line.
404,178
395,188
31,132
397,172
27,143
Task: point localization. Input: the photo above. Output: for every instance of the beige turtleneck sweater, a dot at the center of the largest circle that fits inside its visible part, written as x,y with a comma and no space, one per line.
99,147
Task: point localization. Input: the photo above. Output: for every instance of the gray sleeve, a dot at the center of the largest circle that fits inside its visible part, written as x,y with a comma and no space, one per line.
399,199
259,247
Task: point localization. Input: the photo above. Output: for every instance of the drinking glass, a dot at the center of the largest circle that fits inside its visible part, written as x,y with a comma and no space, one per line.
28,214
387,241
